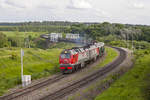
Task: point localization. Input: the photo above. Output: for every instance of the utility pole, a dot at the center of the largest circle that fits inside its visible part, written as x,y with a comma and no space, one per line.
139,42
22,54
127,39
26,79
132,42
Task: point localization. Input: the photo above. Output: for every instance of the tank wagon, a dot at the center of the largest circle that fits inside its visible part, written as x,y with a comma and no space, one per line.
71,60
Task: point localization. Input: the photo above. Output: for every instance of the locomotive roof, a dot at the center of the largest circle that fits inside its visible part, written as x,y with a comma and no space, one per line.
75,50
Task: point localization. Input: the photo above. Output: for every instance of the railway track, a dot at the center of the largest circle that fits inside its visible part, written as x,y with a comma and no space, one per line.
84,81
30,89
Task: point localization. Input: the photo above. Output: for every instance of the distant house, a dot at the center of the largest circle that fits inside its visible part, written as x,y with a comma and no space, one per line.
55,36
72,36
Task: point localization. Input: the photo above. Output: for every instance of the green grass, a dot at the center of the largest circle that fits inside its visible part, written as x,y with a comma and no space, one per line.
111,54
134,85
22,34
37,62
63,45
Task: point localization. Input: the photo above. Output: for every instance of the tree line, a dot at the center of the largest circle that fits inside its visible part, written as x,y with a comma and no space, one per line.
44,23
15,41
36,23
117,31
106,32
34,28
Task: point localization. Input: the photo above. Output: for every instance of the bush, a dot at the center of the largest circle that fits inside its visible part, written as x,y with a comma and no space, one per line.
3,40
13,56
118,43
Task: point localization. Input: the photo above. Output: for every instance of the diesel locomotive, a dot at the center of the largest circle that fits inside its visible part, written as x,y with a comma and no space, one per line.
71,60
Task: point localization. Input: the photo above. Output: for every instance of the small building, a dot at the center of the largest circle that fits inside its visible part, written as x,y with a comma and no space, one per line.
72,36
55,36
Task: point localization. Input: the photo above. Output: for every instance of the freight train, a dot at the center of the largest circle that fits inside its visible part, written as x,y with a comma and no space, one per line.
71,60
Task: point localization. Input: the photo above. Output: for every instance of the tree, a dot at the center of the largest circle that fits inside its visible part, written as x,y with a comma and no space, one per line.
3,40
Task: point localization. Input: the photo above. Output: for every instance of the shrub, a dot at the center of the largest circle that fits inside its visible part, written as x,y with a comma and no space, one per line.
13,56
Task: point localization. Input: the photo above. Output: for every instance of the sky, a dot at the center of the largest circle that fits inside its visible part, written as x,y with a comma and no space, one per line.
113,11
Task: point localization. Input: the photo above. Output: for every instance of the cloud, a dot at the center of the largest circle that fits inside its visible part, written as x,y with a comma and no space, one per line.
30,4
79,4
138,5
5,6
101,13
124,11
23,3
14,3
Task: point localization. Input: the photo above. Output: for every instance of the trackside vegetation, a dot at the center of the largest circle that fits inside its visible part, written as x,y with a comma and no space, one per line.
134,85
37,62
111,54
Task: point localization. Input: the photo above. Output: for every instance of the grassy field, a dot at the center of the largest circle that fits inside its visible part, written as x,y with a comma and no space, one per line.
22,34
37,62
135,84
111,54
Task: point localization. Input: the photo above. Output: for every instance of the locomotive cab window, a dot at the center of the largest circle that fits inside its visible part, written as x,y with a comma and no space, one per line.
66,55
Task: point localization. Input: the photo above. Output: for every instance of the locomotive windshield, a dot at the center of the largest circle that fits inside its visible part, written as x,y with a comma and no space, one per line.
65,55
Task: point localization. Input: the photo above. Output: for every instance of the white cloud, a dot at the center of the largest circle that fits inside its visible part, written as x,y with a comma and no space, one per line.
21,3
31,4
101,13
138,5
6,6
85,8
79,4
124,11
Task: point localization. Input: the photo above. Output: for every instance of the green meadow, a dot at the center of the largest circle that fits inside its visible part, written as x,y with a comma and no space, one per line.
111,54
135,84
37,62
22,34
